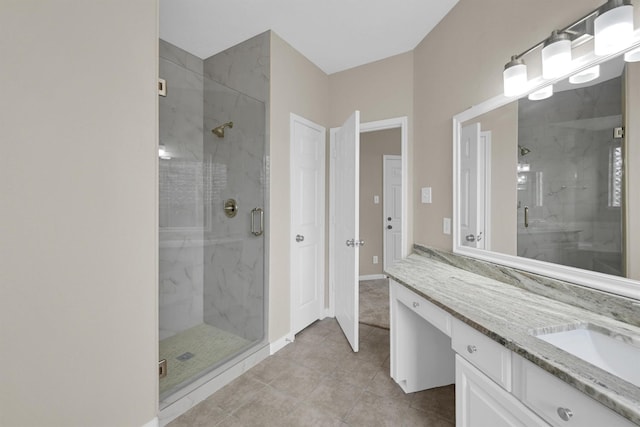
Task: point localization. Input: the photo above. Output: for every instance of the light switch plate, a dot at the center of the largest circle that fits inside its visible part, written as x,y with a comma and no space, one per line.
375,259
426,195
376,200
446,225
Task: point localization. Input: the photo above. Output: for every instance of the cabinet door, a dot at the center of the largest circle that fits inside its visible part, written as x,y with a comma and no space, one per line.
480,402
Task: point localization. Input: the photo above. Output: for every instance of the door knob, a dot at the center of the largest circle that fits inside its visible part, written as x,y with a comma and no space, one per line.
388,218
470,238
389,227
299,238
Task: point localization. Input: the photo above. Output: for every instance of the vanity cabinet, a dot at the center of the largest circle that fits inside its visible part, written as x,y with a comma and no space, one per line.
480,402
421,356
494,386
557,402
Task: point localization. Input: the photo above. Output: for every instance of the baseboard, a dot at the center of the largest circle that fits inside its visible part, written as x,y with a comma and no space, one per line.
152,423
279,344
372,277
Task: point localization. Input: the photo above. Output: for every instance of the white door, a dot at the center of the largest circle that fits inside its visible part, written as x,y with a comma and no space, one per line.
345,250
392,199
307,222
471,187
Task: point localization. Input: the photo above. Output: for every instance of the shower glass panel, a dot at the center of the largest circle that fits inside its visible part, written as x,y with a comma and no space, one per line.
570,178
211,272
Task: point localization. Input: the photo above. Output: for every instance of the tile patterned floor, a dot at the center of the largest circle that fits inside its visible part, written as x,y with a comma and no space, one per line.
318,381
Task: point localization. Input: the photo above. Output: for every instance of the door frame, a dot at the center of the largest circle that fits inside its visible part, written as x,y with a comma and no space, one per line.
394,123
386,157
322,194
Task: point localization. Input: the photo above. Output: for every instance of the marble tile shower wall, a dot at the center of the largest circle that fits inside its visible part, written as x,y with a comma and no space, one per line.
236,89
567,188
181,192
211,266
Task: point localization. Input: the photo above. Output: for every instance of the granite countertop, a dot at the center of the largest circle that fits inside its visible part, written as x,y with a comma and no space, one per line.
507,314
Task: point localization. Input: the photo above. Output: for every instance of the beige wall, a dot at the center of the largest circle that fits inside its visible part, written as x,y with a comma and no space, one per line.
459,64
78,178
380,90
299,87
373,145
632,171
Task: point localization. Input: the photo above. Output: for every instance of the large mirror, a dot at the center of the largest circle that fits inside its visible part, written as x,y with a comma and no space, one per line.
550,185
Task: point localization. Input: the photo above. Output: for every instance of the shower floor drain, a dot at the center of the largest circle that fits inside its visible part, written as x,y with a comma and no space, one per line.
185,356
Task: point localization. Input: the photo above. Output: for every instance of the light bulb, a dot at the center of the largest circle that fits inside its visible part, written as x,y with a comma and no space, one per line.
515,77
633,55
613,28
585,76
556,55
540,94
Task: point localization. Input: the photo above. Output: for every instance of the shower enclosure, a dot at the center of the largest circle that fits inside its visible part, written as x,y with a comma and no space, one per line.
570,178
212,192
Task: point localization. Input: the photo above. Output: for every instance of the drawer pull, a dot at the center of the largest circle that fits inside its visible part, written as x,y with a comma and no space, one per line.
472,348
415,304
565,413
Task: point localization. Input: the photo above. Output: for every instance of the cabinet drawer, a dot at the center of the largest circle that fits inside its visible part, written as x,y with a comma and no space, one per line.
487,355
553,399
423,308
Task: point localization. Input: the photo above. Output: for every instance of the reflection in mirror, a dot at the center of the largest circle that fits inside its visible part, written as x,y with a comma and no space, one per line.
545,179
569,177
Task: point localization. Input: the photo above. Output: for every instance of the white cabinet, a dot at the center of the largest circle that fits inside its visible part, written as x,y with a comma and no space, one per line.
558,402
421,354
494,386
480,402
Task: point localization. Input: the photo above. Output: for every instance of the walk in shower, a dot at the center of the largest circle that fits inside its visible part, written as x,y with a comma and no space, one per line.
212,193
570,176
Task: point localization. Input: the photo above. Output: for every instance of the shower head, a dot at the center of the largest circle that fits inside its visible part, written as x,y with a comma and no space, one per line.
523,150
219,131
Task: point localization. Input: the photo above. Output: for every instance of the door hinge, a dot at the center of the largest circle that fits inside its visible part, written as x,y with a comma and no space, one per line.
162,87
618,132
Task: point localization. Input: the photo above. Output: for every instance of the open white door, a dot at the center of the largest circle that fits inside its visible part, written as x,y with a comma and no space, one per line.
346,242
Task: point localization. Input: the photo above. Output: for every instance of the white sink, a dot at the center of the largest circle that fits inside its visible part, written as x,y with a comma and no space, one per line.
616,354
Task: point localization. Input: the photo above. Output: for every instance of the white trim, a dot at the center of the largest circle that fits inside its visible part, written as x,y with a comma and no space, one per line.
152,423
293,118
332,220
372,277
209,387
281,343
393,123
603,282
487,187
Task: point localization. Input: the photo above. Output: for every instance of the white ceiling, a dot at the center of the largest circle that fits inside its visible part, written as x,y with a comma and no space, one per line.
333,34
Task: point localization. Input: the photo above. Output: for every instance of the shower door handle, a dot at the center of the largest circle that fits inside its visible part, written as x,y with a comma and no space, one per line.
526,216
257,231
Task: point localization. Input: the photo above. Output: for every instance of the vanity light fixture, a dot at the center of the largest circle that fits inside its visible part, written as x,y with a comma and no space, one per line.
613,28
632,55
556,55
515,77
585,76
540,94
